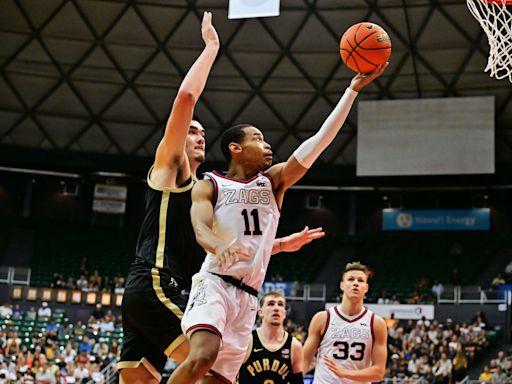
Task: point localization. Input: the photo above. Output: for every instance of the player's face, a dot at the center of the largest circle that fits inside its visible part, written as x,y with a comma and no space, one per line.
273,310
354,285
195,144
256,151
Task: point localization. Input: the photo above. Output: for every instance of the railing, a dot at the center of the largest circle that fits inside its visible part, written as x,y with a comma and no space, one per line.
473,295
307,292
109,373
15,275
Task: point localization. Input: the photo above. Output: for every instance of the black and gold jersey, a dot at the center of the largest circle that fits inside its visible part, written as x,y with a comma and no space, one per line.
264,366
167,245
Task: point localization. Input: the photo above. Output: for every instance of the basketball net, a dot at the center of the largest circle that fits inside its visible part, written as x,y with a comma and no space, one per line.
496,20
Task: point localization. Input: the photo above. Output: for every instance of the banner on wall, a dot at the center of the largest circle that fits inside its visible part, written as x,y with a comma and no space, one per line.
285,287
436,220
401,311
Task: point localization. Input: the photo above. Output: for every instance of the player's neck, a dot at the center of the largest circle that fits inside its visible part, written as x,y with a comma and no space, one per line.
240,172
194,165
272,333
350,308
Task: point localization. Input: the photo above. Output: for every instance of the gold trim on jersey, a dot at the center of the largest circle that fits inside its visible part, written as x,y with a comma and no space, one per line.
162,227
267,347
168,189
135,364
175,344
161,295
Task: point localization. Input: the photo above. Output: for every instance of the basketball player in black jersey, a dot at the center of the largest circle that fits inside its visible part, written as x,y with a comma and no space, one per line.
167,253
274,356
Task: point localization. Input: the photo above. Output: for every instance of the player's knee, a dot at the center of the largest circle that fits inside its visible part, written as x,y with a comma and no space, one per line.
201,362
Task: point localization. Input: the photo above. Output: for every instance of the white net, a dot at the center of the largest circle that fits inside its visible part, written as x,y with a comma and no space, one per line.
496,20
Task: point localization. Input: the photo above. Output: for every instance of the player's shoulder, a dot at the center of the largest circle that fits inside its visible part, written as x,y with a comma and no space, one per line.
379,325
319,320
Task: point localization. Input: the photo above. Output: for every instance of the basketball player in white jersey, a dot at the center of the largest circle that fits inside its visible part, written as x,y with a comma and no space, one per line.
246,203
351,341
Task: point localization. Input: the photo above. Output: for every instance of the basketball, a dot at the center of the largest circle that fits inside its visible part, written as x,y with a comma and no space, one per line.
364,46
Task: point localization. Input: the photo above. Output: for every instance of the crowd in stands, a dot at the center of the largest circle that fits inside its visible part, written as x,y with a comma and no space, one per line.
44,348
89,281
38,346
499,370
432,351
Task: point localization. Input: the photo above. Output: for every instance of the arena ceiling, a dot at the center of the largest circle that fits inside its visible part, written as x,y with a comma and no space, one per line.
82,77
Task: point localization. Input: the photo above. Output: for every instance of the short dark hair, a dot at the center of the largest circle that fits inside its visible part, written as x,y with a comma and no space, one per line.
273,294
235,134
355,266
194,117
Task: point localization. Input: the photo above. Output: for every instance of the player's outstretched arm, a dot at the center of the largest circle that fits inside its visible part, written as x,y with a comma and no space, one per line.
379,355
201,214
316,328
296,241
288,173
171,150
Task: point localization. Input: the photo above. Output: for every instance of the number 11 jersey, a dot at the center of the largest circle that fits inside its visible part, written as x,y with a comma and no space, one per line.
248,209
348,342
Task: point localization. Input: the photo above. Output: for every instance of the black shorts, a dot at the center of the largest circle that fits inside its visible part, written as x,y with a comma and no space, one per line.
152,313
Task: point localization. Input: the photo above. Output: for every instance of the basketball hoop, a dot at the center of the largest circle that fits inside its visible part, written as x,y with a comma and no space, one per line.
496,20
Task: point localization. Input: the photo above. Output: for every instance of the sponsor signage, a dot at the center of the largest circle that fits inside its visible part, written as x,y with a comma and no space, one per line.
436,220
285,287
401,311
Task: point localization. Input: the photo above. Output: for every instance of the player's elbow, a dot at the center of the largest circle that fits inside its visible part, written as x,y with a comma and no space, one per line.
186,98
379,374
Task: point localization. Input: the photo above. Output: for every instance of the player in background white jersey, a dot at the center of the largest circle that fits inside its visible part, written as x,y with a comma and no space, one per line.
221,311
350,340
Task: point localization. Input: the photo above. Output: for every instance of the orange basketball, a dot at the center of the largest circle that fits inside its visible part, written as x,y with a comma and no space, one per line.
364,46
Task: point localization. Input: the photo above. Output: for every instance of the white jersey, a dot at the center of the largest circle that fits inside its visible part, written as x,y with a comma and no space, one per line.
348,342
249,210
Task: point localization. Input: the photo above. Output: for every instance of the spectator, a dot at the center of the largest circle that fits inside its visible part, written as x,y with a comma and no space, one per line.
17,312
6,311
460,365
44,376
486,375
70,283
96,375
44,311
499,377
31,314
497,281
391,322
437,289
98,312
95,279
82,283
502,361
383,298
443,369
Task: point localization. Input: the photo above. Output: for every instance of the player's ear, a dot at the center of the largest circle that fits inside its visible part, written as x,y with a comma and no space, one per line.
235,147
260,312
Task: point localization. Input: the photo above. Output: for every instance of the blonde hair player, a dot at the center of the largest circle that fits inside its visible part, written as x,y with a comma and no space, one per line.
351,340
274,355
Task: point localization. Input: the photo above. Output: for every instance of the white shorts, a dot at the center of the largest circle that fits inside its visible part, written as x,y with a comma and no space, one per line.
222,308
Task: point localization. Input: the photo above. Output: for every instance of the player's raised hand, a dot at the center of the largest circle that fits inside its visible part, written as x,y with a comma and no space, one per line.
208,30
361,80
296,241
